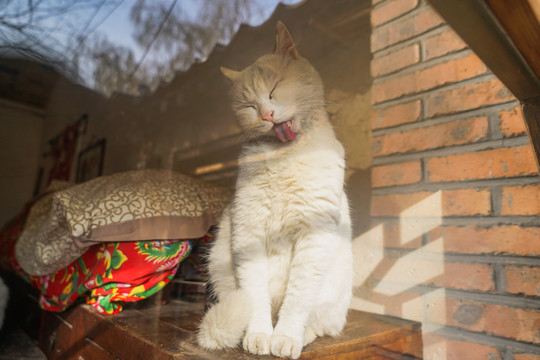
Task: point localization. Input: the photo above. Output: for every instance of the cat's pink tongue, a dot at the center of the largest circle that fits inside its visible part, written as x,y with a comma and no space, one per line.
284,132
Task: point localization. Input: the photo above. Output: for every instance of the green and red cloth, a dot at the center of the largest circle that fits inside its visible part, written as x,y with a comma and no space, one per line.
106,275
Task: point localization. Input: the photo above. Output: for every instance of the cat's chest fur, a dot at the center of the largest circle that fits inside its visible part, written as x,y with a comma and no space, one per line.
282,190
278,188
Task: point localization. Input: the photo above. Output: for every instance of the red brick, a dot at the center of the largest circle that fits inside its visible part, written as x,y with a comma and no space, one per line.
391,10
396,174
523,279
466,98
463,276
526,357
396,115
421,80
403,29
456,350
512,323
396,60
466,202
431,137
395,204
521,200
445,203
512,122
416,271
487,164
442,44
504,239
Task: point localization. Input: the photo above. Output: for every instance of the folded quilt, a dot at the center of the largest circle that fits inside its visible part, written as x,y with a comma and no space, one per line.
110,240
106,275
129,206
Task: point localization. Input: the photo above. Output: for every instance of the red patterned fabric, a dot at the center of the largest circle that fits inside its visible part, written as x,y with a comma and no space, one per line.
106,275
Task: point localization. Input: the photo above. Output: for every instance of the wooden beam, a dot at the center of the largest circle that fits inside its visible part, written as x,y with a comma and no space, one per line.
520,22
531,112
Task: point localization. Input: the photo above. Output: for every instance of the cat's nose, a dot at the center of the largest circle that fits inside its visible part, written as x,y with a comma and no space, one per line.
268,116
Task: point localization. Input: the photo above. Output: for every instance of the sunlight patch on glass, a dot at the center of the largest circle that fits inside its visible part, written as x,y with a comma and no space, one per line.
421,218
368,252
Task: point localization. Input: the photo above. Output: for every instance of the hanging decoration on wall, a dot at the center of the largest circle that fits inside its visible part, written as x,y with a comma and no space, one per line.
63,148
57,162
90,164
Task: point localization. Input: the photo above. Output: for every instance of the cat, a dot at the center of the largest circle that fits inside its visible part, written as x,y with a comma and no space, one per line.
282,253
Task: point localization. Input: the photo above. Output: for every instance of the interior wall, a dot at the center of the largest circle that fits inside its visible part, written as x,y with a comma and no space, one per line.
22,130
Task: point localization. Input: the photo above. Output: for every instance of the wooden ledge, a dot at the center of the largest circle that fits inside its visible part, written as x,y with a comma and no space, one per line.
167,332
163,332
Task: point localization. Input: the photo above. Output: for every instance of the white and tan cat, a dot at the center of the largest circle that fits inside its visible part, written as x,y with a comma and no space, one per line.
281,264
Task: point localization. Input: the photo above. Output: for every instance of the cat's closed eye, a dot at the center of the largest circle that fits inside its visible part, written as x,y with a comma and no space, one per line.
270,96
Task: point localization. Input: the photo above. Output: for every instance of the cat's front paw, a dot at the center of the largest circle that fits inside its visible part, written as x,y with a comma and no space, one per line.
257,343
285,346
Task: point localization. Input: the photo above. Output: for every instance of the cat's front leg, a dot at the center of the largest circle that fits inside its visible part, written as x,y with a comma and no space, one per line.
306,274
252,273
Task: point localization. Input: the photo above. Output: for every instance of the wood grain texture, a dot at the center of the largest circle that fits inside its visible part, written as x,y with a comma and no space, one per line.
520,22
167,332
531,113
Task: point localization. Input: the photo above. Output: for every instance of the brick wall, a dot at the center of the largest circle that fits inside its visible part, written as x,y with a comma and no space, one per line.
455,206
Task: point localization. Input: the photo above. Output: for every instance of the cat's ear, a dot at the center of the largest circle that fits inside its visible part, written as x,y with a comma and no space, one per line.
284,42
230,74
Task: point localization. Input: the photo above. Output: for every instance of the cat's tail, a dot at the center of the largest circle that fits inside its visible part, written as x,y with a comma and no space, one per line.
225,322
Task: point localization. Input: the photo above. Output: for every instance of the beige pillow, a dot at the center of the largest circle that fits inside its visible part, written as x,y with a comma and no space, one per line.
130,206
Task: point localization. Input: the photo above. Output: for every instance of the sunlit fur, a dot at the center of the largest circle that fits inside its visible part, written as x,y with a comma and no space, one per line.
281,263
296,89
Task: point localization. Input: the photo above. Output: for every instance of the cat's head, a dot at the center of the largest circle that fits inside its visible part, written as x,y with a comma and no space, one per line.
275,98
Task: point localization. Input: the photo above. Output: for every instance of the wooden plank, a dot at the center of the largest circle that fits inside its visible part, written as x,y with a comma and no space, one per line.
520,22
168,332
61,339
129,335
531,112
